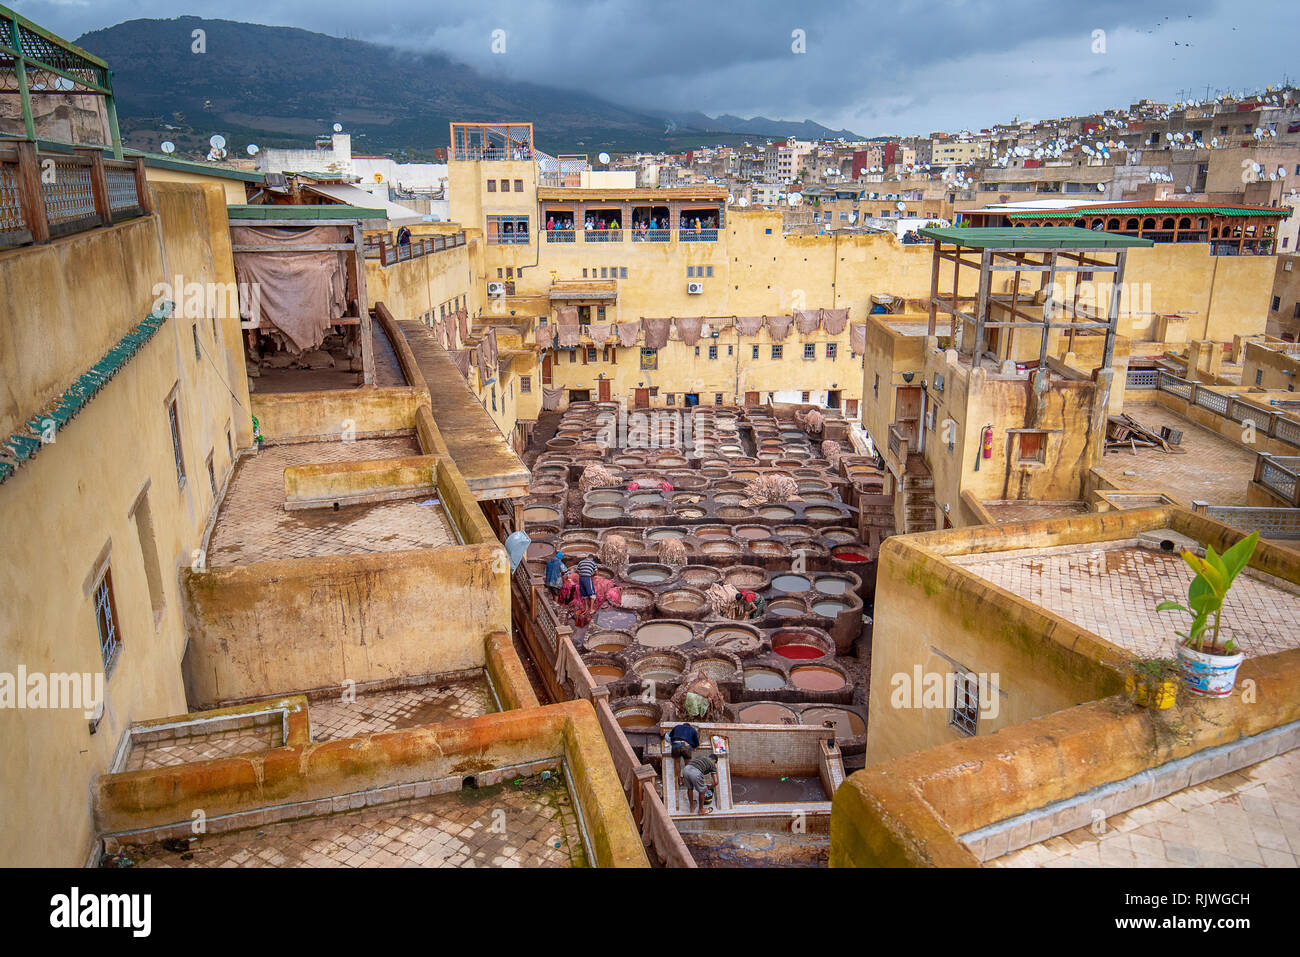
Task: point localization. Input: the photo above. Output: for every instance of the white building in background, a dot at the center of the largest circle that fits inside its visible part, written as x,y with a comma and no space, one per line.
336,158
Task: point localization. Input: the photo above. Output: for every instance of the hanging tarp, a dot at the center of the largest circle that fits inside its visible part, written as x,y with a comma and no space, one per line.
807,320
834,321
778,327
858,338
566,316
301,294
689,329
544,336
462,320
551,398
656,332
600,332
627,333
461,358
491,353
749,325
569,335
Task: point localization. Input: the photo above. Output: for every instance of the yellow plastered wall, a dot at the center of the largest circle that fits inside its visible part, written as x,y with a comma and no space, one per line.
72,504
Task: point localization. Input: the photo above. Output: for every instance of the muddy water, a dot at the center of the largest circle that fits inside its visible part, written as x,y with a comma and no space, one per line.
816,678
680,601
663,634
614,619
540,513
777,790
847,723
658,672
632,719
649,575
767,714
604,674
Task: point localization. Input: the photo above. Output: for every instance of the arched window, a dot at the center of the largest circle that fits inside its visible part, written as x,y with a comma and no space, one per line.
1214,233
1112,224
1202,223
1168,223
1149,223
1083,223
1098,224
1132,224
1185,223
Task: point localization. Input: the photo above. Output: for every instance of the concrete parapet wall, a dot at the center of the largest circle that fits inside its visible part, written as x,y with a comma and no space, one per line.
289,416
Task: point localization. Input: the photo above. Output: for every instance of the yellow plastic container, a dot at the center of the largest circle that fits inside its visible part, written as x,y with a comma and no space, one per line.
1159,694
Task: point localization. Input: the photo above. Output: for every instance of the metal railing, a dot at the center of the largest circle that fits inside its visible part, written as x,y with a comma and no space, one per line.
1141,379
1269,522
1273,424
652,235
1280,474
697,235
602,235
560,235
46,195
381,247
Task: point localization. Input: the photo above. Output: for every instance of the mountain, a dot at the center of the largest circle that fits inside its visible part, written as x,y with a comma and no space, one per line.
759,126
282,86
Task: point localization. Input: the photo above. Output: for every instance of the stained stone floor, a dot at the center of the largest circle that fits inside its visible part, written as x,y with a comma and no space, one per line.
399,708
1250,818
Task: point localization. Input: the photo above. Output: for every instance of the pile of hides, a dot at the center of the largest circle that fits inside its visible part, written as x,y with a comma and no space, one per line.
831,452
597,476
672,551
771,488
722,598
811,421
613,551
707,702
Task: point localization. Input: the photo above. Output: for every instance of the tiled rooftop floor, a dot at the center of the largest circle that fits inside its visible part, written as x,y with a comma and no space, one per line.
1247,819
218,744
1112,590
1031,511
400,708
1213,469
253,525
503,826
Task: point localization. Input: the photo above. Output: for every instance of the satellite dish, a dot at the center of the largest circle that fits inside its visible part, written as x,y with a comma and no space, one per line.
1101,187
862,171
379,177
168,147
252,149
338,127
742,201
603,157
900,206
217,140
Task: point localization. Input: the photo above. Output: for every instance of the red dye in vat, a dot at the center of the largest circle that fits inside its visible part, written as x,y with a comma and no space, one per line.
799,652
851,557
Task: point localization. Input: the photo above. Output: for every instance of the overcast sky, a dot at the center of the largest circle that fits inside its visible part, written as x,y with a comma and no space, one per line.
902,66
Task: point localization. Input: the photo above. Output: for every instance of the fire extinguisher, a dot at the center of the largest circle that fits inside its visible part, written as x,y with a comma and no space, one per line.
986,445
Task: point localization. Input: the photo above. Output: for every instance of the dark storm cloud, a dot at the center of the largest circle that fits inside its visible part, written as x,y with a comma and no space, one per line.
904,66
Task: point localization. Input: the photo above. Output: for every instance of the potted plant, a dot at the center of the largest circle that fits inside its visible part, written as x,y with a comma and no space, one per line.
1153,682
1208,659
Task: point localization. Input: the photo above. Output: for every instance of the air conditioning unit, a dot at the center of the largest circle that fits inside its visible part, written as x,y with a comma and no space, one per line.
695,288
496,289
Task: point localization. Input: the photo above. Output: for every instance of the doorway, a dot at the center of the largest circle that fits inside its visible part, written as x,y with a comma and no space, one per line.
579,395
691,399
833,399
642,398
751,398
603,390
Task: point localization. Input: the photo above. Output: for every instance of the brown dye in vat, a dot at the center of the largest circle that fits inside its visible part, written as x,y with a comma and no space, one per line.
751,532
634,719
767,714
540,513
604,674
816,678
847,723
680,601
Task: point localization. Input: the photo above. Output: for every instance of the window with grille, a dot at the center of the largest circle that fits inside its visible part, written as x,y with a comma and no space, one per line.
492,186
519,186
965,714
810,351
622,272
717,398
776,352
649,359
803,397
713,352
525,383
591,353
669,398
173,423
753,352
110,639
831,350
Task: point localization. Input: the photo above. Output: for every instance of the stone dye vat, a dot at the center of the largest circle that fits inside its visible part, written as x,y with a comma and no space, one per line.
664,634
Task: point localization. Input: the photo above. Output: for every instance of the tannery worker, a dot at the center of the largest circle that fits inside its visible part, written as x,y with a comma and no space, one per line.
696,776
555,571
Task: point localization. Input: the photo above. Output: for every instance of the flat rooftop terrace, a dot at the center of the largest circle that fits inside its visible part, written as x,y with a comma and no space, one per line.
1112,589
445,830
1028,511
1212,470
253,525
1250,818
397,708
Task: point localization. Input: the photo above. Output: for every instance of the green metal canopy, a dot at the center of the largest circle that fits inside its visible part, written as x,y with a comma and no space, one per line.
1031,237
283,213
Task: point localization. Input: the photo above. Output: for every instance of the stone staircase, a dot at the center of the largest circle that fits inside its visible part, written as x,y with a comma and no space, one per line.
918,497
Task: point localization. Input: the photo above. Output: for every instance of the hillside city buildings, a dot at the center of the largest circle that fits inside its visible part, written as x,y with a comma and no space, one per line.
885,511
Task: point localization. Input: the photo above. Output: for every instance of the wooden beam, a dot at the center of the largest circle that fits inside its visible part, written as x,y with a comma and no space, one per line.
363,308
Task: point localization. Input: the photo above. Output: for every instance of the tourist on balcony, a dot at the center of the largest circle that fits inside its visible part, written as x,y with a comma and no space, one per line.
590,225
550,222
614,223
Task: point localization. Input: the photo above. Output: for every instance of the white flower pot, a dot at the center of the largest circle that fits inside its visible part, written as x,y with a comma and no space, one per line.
1207,674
